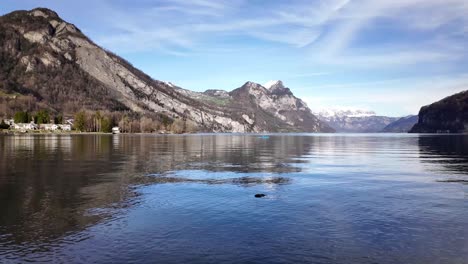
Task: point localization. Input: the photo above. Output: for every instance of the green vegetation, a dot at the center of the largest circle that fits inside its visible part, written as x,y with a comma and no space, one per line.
3,125
106,125
97,121
22,117
217,101
180,126
58,119
80,121
42,117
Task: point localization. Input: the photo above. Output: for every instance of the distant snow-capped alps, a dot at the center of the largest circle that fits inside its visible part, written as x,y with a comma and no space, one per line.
354,120
329,113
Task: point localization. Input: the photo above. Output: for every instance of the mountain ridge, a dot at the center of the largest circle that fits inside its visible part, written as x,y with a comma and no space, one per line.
355,121
53,62
402,125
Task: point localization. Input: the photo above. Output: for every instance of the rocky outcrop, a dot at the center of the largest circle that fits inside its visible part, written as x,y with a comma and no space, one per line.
449,115
402,125
51,59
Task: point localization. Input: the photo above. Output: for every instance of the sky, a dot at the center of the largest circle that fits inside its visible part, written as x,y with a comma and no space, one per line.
390,56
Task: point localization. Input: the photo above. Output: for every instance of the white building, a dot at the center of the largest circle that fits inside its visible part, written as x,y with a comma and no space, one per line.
51,127
25,126
54,127
65,127
115,130
10,122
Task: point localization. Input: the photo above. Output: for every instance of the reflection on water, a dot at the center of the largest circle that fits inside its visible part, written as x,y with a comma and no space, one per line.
146,198
445,153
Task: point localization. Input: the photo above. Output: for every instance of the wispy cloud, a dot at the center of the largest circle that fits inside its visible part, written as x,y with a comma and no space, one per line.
431,19
377,53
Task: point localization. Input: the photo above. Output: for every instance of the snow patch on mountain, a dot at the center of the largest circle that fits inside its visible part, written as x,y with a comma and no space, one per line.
271,83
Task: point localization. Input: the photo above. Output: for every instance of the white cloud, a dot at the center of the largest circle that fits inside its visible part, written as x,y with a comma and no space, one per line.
432,19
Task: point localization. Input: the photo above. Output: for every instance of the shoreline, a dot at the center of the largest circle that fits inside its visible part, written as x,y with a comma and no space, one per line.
74,133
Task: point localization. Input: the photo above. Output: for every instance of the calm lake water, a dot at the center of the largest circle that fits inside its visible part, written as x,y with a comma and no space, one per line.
177,199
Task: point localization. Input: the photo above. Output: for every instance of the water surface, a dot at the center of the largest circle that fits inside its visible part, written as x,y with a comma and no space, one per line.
172,199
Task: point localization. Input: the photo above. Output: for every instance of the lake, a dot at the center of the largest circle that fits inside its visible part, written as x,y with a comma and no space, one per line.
330,198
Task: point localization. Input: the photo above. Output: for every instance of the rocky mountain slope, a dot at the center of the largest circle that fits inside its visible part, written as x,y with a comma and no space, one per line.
447,115
355,121
402,125
55,64
276,106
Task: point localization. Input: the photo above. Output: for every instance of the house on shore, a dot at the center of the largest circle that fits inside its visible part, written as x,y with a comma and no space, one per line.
51,127
10,122
25,126
115,130
65,127
55,127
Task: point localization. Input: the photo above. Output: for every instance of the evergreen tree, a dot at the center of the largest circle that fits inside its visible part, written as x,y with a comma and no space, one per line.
3,125
80,121
21,117
42,117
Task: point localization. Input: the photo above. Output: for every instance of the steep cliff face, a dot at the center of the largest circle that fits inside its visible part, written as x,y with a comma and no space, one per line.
402,125
50,59
447,115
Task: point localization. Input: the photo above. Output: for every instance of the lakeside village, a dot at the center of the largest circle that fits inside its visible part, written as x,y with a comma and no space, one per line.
23,122
93,122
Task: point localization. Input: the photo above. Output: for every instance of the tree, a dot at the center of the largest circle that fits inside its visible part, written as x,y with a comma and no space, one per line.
106,125
21,117
97,120
190,127
166,121
80,121
58,119
178,126
147,125
42,117
3,125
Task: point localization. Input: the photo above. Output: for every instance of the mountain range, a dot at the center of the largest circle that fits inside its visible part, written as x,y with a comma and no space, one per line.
57,67
355,121
48,64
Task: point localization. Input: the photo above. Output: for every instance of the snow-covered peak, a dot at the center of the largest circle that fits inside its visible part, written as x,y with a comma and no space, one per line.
330,113
270,84
170,84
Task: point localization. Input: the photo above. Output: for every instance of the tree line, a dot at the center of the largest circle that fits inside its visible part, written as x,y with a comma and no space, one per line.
130,122
104,121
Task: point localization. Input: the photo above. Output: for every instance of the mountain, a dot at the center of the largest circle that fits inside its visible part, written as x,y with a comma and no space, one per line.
402,125
447,115
46,62
354,121
274,107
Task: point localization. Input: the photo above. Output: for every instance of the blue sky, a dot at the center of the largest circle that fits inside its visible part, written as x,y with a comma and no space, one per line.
390,56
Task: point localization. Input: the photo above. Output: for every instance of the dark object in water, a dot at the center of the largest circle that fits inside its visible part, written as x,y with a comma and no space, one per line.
260,195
